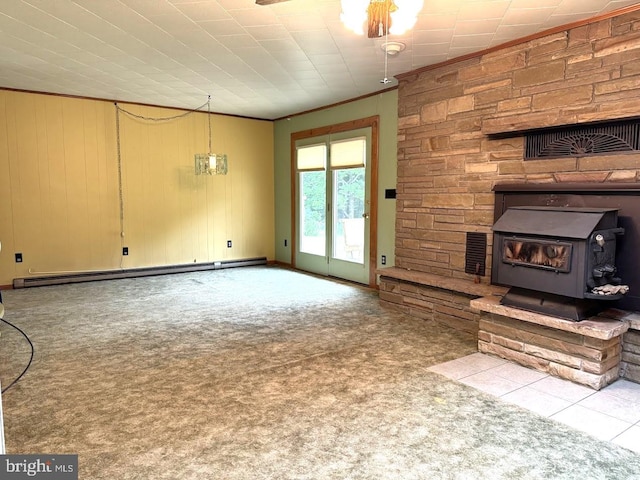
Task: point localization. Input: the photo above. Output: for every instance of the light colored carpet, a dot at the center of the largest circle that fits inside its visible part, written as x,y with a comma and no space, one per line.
264,373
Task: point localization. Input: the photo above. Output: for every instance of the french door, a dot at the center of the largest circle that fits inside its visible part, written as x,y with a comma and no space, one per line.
333,204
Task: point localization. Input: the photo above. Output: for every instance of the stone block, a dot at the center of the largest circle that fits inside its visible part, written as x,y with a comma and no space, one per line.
600,367
632,337
536,75
483,199
563,97
484,336
617,44
468,123
511,168
592,380
550,165
617,85
409,121
391,297
457,312
623,176
478,186
445,181
433,112
581,177
515,123
515,105
464,103
486,167
518,357
630,372
420,313
418,302
508,343
444,92
395,307
498,145
435,143
425,220
602,344
457,323
630,357
493,67
483,85
599,30
570,54
581,65
605,162
492,97
478,217
553,356
527,331
630,69
543,51
455,218
445,200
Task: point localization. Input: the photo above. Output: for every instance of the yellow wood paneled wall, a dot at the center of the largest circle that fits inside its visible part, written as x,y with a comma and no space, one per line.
60,193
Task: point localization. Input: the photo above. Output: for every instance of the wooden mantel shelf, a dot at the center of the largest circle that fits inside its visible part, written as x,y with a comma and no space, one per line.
460,285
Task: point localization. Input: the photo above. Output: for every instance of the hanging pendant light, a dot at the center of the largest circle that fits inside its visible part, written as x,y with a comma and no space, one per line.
210,163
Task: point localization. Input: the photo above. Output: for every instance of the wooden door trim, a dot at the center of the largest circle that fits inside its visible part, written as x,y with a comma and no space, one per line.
372,122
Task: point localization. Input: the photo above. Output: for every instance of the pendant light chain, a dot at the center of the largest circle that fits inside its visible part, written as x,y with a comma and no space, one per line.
209,118
385,80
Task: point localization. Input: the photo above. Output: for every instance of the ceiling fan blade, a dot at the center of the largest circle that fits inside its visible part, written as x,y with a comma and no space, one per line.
269,2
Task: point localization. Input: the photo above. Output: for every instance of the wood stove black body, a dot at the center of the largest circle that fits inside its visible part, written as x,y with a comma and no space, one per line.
558,260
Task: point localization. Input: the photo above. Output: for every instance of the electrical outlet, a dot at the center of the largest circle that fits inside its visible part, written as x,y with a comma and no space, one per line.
125,251
18,258
383,260
228,243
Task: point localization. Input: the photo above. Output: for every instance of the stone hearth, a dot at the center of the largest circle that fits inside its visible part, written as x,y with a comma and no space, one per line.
587,352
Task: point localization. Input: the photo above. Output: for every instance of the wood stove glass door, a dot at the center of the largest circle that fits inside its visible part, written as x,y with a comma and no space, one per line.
332,199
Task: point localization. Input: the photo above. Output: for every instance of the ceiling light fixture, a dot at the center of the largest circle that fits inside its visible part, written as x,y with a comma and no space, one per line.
392,48
210,163
381,16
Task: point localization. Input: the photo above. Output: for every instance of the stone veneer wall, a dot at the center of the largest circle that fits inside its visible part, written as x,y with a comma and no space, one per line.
630,368
449,156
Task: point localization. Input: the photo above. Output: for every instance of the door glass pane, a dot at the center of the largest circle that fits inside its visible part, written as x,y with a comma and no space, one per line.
313,212
348,214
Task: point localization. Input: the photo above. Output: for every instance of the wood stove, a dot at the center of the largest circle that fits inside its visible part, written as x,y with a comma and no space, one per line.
559,261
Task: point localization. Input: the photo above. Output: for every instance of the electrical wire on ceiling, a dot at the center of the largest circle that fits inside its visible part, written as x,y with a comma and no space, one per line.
164,119
119,151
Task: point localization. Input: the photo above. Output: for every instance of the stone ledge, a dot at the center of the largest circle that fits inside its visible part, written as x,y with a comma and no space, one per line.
634,321
595,327
446,283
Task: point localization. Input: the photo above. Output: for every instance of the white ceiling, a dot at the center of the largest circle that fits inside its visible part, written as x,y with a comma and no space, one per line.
255,61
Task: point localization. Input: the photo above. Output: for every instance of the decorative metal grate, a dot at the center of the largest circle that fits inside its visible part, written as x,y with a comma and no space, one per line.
476,253
582,141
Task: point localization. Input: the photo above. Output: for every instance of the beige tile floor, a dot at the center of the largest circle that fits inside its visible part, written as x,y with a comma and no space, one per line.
611,414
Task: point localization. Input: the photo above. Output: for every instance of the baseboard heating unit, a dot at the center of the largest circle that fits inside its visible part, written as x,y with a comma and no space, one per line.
132,273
